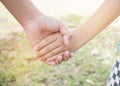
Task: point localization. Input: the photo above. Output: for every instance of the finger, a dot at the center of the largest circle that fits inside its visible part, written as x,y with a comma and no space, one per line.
71,54
46,41
66,39
52,53
52,63
47,49
53,58
66,55
66,34
58,59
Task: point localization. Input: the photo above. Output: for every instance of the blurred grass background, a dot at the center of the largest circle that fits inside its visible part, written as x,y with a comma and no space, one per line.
89,67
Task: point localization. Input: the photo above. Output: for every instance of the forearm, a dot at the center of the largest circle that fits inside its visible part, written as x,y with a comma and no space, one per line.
22,10
109,10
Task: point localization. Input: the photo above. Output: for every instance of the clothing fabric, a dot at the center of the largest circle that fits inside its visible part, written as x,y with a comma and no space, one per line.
114,79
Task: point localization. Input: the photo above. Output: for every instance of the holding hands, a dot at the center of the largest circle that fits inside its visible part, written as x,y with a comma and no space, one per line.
52,49
51,39
38,26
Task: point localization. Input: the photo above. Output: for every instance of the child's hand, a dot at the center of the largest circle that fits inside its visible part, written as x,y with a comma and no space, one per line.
52,49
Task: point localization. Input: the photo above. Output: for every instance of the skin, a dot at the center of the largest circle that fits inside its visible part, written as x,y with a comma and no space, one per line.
37,26
55,44
106,13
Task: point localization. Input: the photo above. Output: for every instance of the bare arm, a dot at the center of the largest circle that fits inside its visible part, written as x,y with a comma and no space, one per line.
22,10
29,16
36,25
107,12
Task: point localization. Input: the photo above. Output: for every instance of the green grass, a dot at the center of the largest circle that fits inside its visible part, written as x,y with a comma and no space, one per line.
22,70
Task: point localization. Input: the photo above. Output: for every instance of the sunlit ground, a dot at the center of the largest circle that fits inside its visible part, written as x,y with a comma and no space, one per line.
89,67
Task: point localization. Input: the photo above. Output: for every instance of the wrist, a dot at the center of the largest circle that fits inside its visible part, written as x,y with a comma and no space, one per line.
73,41
29,17
77,40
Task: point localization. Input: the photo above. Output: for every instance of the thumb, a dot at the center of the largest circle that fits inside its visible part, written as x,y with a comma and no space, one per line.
66,34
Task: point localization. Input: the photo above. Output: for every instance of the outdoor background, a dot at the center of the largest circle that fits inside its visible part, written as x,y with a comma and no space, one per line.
89,67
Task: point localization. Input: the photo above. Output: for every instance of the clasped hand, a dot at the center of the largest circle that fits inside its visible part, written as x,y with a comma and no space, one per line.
50,39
